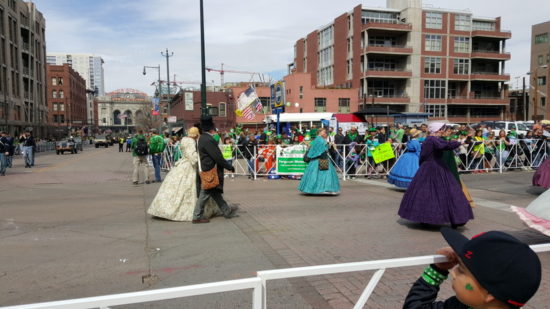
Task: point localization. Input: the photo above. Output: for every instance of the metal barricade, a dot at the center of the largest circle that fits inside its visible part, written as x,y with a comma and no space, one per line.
258,284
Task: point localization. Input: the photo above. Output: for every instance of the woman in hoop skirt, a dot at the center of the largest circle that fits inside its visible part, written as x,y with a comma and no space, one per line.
537,214
316,180
435,196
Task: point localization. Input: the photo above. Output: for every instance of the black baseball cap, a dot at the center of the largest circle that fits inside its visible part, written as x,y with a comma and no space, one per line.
506,267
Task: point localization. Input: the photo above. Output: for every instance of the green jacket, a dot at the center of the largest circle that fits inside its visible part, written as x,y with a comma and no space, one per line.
156,144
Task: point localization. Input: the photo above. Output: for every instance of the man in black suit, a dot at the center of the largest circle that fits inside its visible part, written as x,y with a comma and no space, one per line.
210,157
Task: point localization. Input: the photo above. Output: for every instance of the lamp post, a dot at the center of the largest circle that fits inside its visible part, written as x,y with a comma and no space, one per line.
159,84
204,111
168,55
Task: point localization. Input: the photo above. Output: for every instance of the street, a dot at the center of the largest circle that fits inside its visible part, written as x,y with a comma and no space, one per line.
75,226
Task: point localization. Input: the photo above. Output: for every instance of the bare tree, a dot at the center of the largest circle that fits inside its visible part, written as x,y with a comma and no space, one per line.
145,120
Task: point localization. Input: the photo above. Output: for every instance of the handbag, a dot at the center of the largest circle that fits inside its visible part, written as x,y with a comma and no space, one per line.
323,164
209,179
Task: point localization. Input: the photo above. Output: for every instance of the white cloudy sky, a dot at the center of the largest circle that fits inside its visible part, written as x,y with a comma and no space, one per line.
245,35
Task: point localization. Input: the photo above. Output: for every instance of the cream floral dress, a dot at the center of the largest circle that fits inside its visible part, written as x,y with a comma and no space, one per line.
177,195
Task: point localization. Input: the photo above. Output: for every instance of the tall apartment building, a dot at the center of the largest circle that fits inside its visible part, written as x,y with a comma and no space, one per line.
413,59
66,98
90,67
540,71
22,68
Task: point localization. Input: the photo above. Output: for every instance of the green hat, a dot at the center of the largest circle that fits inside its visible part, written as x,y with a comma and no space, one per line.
372,130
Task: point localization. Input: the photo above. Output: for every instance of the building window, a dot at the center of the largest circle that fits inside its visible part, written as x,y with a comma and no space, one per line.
540,59
433,42
463,22
484,25
61,94
436,110
61,107
461,66
462,44
434,89
542,101
222,109
434,20
541,80
54,94
55,119
343,105
432,65
301,92
60,81
379,17
320,104
54,106
62,118
541,38
54,81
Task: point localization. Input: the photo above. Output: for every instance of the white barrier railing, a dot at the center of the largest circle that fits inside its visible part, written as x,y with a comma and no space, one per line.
258,284
355,162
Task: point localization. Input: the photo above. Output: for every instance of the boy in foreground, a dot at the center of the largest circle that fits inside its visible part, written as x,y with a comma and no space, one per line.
493,270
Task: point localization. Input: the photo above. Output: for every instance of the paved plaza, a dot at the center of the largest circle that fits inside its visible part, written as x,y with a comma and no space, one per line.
75,226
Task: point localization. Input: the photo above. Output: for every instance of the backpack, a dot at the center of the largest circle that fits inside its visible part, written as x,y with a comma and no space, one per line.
141,147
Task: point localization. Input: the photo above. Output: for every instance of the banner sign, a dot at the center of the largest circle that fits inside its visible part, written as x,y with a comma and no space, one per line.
156,106
290,159
278,95
188,101
383,153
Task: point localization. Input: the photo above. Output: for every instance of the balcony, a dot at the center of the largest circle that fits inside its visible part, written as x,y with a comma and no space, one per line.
490,76
490,54
388,25
492,34
389,99
387,73
477,99
389,49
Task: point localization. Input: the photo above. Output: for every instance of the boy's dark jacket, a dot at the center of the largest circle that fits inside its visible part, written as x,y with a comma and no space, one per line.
422,296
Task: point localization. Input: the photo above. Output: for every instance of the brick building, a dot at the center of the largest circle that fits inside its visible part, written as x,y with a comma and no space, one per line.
66,96
540,71
22,68
413,59
186,106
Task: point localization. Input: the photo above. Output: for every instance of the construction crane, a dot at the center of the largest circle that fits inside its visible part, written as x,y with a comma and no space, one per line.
222,72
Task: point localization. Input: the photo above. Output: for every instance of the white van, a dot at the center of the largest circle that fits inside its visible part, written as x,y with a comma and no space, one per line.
507,126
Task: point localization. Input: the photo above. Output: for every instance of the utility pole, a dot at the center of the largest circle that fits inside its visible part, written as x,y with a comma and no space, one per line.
159,85
204,111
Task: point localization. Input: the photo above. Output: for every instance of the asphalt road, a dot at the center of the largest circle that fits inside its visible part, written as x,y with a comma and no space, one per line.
75,226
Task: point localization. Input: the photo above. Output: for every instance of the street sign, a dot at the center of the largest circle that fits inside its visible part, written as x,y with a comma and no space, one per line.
172,119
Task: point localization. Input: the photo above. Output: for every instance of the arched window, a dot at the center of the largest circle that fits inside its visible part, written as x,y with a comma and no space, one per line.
139,114
116,117
128,118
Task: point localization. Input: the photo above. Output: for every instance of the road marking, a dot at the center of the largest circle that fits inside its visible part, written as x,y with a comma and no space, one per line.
69,162
478,201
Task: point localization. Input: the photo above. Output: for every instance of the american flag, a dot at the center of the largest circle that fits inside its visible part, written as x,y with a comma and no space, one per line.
259,106
248,113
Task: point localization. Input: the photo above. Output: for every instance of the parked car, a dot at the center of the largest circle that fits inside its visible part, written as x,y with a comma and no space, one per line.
101,140
68,145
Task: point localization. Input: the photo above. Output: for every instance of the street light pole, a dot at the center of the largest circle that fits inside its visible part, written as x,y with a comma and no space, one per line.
524,101
168,55
159,84
204,111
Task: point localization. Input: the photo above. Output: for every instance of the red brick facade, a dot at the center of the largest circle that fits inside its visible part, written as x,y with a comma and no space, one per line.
66,97
223,100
